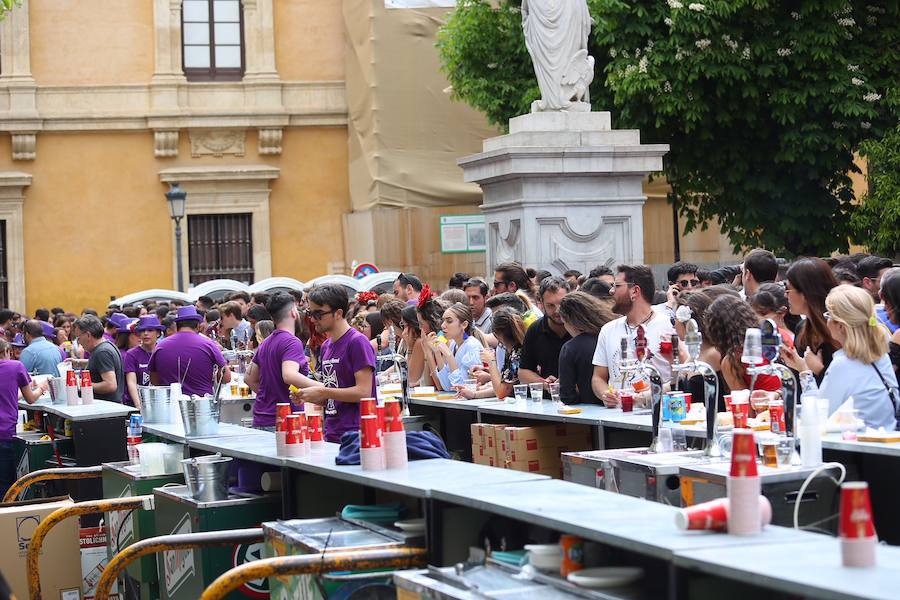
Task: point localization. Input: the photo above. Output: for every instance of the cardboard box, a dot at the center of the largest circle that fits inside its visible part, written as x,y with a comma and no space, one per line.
541,465
489,435
93,560
60,564
485,456
546,436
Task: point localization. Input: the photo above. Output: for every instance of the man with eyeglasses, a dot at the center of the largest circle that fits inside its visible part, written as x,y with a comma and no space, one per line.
407,288
682,278
347,363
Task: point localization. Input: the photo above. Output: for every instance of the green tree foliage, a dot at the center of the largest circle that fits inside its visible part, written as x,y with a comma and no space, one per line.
877,221
762,101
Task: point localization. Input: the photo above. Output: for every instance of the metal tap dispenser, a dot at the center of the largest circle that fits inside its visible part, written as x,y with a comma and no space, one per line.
693,339
771,342
634,361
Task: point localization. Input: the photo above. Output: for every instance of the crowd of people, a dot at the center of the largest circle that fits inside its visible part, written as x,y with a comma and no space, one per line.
837,319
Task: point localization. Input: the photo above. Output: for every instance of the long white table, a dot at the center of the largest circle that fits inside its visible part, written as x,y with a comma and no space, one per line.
98,409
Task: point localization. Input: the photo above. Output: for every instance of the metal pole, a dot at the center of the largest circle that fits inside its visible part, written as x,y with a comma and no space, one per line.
178,254
230,537
24,482
360,560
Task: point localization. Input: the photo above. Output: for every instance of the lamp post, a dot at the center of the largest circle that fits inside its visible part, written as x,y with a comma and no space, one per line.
177,198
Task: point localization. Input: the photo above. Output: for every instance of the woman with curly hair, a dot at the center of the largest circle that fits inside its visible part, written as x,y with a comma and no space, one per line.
727,321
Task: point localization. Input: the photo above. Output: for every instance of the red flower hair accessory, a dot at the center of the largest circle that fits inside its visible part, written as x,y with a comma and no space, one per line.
366,297
425,295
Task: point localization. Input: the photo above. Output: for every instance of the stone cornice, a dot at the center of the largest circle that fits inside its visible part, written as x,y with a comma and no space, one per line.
219,173
196,105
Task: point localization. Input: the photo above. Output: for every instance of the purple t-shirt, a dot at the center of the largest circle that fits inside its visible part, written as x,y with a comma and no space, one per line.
137,361
198,356
275,349
340,362
13,377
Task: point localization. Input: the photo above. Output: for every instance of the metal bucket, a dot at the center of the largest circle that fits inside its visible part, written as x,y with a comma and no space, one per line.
58,390
207,477
155,404
200,415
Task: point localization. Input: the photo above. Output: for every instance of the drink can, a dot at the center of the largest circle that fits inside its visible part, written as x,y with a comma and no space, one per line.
776,416
666,410
71,380
368,428
677,410
572,554
393,415
743,454
368,407
282,410
856,511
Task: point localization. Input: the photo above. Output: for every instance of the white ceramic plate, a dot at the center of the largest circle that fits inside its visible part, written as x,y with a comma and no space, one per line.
605,577
411,525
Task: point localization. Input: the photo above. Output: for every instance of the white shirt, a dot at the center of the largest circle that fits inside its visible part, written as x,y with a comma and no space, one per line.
847,377
609,346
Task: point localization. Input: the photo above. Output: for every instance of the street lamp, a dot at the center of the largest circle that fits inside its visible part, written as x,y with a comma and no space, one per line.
177,198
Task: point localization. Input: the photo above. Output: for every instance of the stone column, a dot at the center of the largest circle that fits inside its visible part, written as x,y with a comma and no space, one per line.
564,191
16,80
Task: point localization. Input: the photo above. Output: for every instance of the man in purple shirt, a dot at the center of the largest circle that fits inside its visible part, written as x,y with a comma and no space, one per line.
348,362
13,379
188,357
279,363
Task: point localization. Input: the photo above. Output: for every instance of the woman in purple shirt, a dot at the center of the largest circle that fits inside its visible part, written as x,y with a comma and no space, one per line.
137,359
13,379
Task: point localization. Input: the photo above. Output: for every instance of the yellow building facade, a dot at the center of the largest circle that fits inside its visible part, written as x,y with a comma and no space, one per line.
308,134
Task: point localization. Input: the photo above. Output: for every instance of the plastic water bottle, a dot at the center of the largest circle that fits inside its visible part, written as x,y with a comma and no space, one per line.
135,431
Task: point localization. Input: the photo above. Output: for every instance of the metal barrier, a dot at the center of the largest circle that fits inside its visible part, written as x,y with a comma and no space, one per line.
160,543
396,558
60,514
24,482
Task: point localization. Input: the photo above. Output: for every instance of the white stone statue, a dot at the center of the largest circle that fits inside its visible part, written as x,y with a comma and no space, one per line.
556,35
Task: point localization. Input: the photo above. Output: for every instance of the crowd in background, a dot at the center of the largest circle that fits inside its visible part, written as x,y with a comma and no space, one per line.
837,319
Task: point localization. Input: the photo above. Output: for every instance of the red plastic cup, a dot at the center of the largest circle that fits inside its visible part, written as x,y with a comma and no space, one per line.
314,428
304,423
379,412
743,453
688,399
282,411
71,381
86,379
626,399
713,515
393,417
367,407
294,430
665,347
727,402
368,428
740,412
856,511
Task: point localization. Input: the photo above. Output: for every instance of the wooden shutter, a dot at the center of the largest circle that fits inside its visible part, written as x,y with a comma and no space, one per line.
220,247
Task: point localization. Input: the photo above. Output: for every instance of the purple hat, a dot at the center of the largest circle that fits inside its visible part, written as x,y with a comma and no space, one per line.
188,313
149,323
19,340
126,326
49,330
117,319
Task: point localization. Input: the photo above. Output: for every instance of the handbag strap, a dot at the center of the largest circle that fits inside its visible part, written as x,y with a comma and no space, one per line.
890,391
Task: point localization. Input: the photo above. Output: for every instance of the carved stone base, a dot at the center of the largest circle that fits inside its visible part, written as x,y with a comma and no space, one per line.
564,191
24,146
165,144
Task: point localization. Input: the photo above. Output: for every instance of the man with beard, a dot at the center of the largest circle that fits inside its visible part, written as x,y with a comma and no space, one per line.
347,363
632,297
545,339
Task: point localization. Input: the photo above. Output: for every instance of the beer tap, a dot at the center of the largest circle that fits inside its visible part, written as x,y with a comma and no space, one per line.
770,340
634,362
693,339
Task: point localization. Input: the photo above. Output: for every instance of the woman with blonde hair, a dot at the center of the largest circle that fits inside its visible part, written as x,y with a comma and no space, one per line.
861,368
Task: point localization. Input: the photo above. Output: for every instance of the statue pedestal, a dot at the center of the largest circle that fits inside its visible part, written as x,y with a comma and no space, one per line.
563,190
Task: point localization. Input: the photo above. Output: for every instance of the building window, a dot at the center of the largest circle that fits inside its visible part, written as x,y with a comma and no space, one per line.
213,40
220,247
4,278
